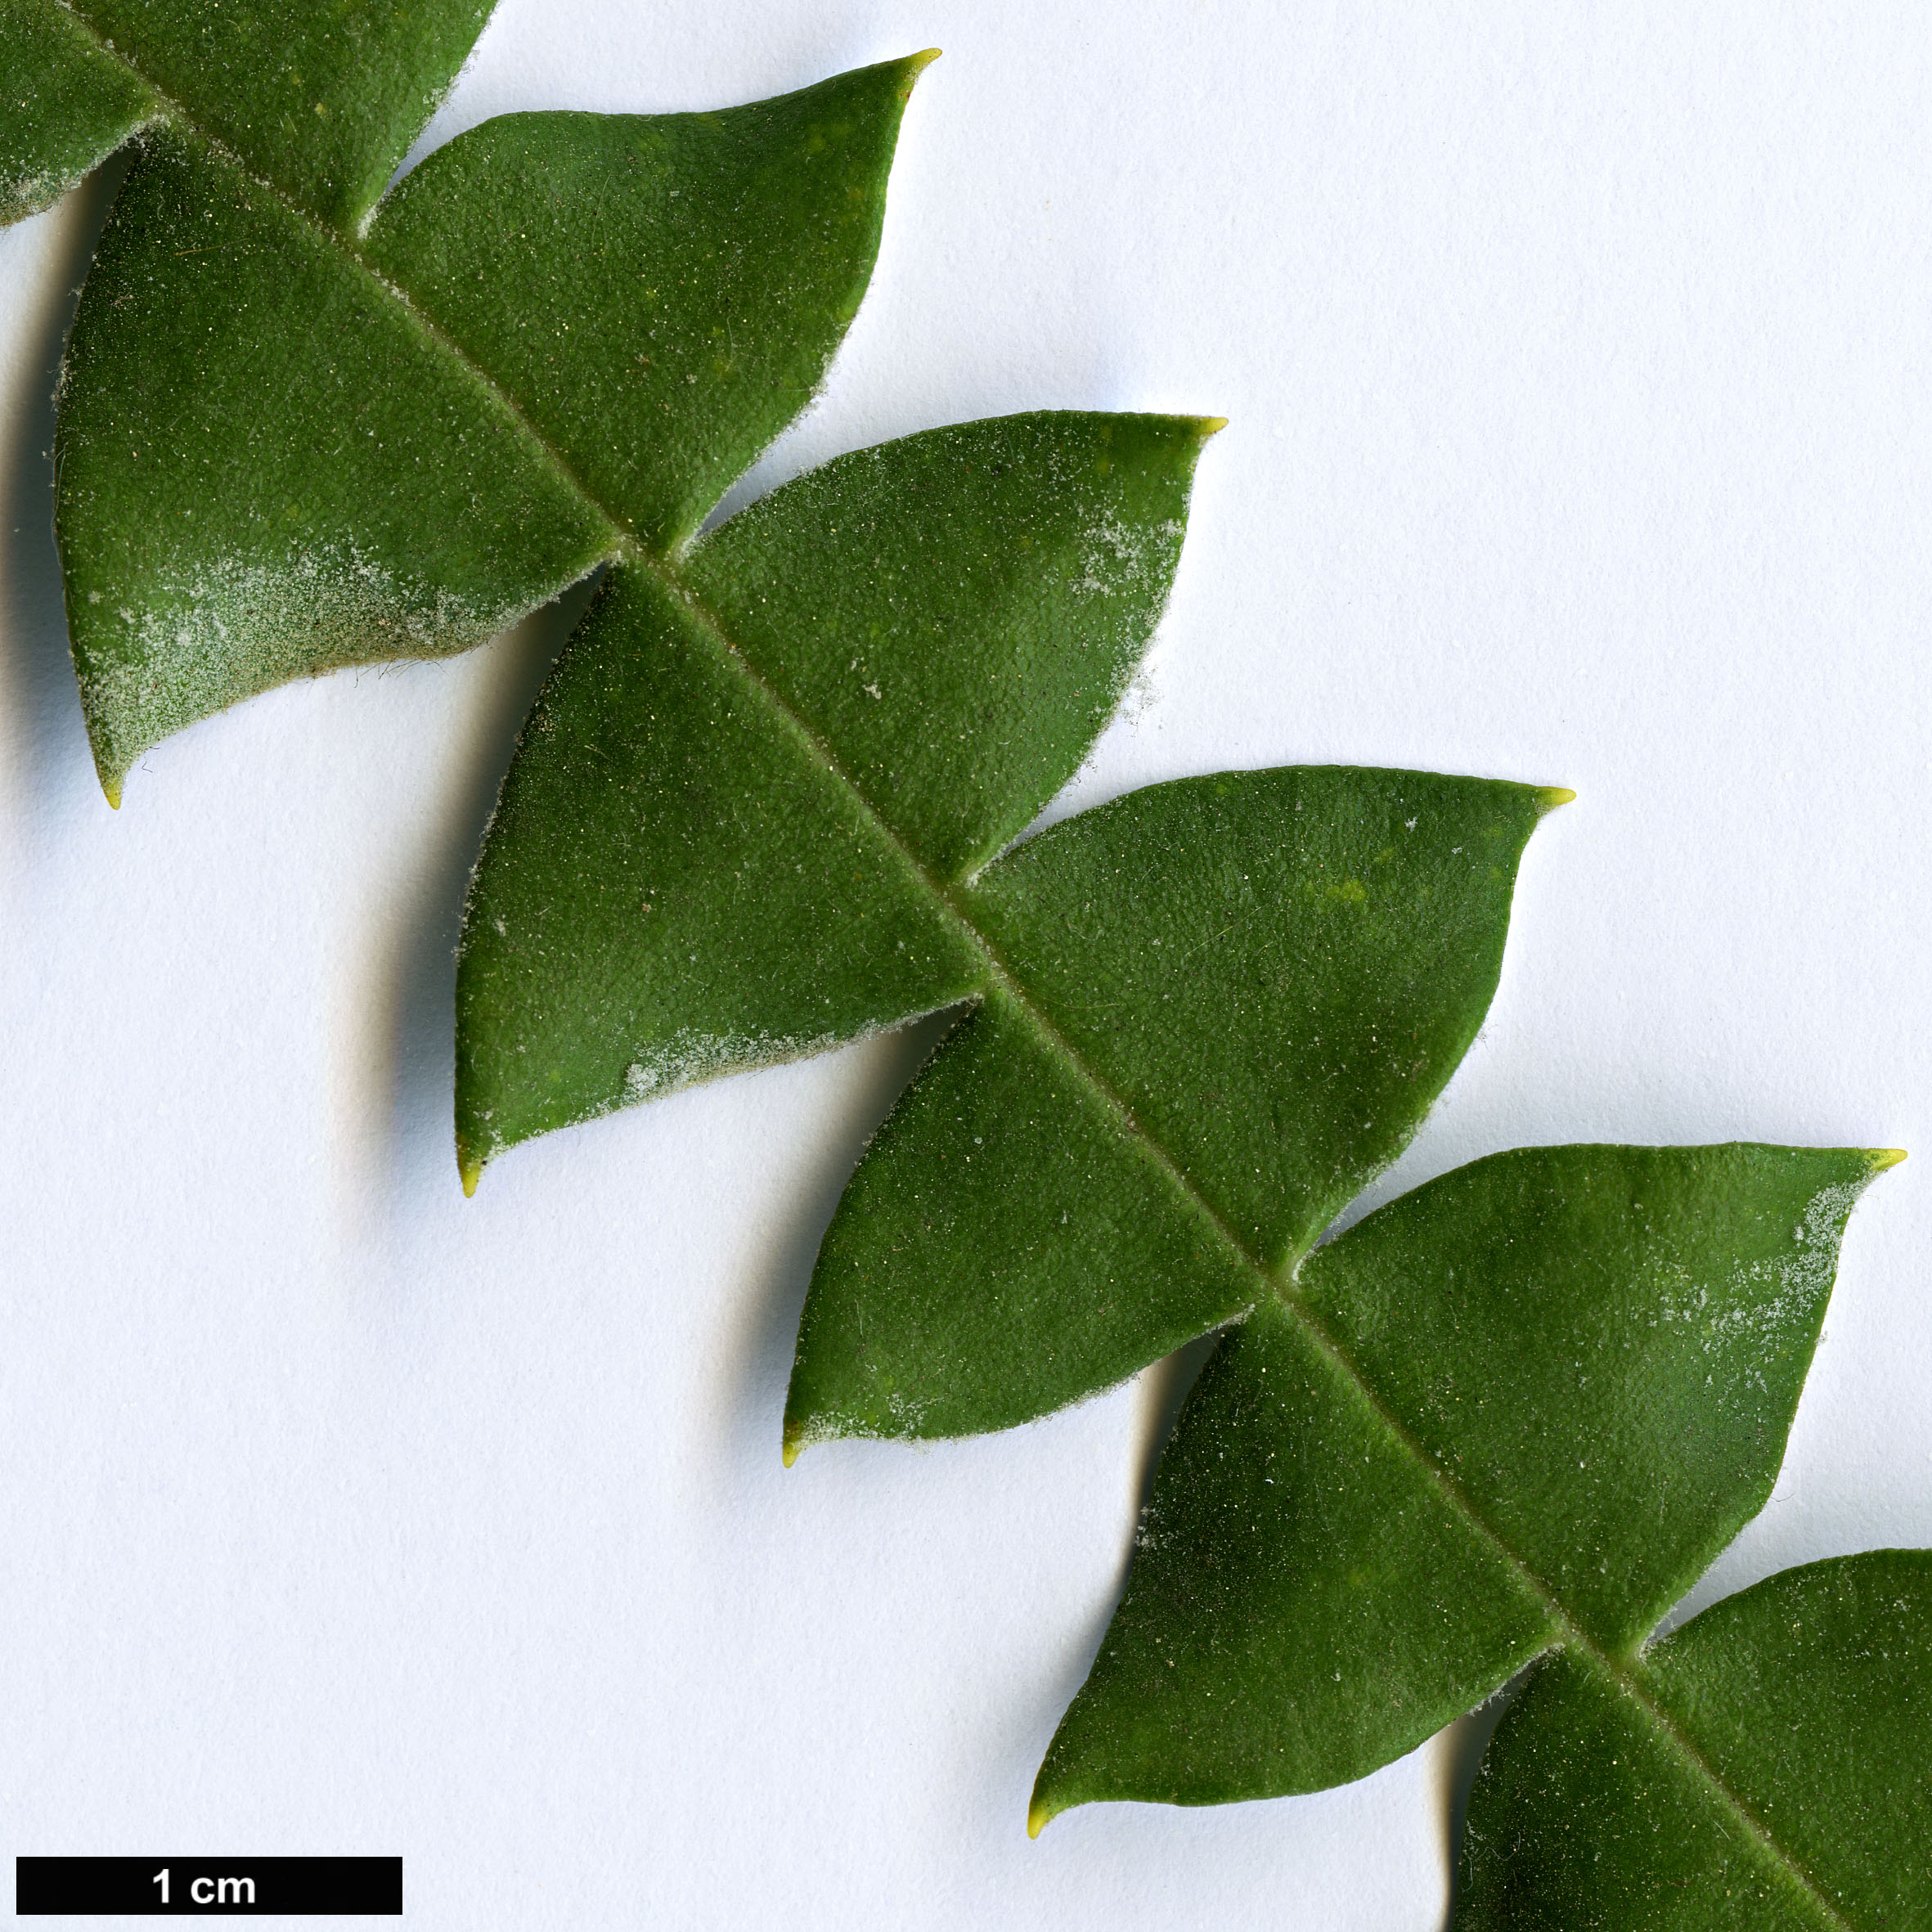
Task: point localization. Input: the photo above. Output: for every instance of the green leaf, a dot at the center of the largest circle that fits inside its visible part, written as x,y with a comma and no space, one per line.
768,802
321,101
296,431
707,855
673,886
1216,1008
659,294
1308,1600
753,814
268,468
1764,1766
958,614
65,105
1523,1406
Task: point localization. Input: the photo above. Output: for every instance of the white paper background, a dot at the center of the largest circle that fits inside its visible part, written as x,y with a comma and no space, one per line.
1576,360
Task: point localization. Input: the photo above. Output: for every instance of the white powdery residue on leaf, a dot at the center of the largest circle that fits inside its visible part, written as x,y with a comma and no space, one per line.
30,194
224,630
1121,557
908,1412
1780,1299
1825,1219
907,1416
693,1054
1776,1304
1141,694
1803,1277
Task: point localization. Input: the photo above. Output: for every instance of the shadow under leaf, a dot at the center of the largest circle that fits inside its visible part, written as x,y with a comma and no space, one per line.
419,984
42,701
1458,1757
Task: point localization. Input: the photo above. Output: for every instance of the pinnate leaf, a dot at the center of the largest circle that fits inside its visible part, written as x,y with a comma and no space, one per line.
297,432
768,802
753,815
1223,1004
708,853
1585,1358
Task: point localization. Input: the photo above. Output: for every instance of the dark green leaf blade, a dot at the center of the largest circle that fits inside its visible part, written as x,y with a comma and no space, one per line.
65,105
660,295
1810,1696
1767,1763
323,101
1202,962
1306,1603
1586,1813
1277,971
267,470
958,613
1009,1246
1603,1347
1484,1318
613,696
675,886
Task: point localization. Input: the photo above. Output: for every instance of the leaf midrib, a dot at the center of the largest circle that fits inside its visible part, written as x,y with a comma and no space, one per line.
625,545
1280,1285
620,540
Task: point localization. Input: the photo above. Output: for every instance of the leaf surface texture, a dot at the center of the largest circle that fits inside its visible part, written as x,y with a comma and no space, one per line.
1586,1358
1764,1765
297,430
267,470
65,105
1242,993
705,821
320,101
659,294
769,801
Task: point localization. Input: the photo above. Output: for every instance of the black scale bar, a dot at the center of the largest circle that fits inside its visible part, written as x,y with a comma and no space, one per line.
207,1888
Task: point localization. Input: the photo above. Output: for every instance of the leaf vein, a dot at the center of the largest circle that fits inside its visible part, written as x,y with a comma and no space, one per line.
429,328
1280,1284
626,547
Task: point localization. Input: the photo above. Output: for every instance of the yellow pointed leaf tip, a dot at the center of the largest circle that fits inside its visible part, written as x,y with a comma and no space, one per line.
794,1444
472,1173
1209,425
915,65
1882,1158
113,793
1553,796
1037,1815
